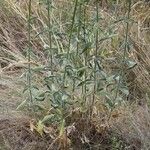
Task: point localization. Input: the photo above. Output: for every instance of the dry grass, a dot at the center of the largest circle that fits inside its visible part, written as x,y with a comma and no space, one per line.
132,122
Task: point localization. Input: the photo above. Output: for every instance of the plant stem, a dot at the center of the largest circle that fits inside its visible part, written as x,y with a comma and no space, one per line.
70,36
72,25
29,52
79,27
49,3
78,37
95,56
85,56
122,73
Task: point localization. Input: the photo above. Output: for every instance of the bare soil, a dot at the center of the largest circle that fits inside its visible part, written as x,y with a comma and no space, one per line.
11,86
15,133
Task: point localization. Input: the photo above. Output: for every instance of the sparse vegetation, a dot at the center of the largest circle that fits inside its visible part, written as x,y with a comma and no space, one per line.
84,70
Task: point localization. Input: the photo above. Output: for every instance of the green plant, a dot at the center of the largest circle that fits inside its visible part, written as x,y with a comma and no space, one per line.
29,79
117,144
49,10
75,75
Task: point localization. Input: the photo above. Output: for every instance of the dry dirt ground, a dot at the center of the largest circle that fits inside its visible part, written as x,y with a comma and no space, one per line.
15,133
11,88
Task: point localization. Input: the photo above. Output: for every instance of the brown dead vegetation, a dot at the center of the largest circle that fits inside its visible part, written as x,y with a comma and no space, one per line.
127,125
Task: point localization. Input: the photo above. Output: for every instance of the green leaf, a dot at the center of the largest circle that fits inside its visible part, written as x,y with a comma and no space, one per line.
22,105
39,107
25,89
35,87
103,74
40,127
38,69
48,118
131,64
110,103
87,47
41,97
124,90
117,78
81,71
62,128
54,88
110,79
87,81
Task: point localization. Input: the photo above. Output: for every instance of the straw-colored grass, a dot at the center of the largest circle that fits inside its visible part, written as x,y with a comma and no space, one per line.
130,119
